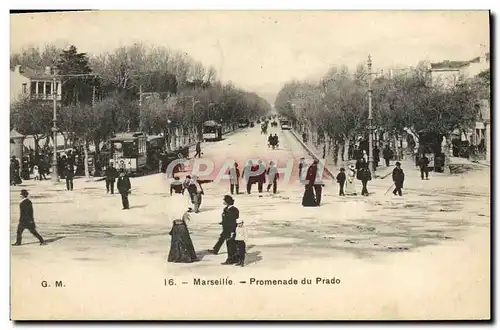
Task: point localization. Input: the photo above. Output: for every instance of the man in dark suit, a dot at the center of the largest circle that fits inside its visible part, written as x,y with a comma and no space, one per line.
26,219
124,186
69,176
229,216
198,150
398,176
424,167
110,175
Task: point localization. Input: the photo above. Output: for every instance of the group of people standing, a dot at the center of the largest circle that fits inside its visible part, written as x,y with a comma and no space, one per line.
254,174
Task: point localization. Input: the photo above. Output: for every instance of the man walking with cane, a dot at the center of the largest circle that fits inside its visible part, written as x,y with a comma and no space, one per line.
398,176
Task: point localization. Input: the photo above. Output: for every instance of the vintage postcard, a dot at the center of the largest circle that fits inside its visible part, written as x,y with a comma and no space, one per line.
250,165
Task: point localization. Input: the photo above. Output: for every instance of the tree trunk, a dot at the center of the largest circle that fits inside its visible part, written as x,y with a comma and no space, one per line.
396,146
174,138
337,152
36,139
65,140
86,157
347,142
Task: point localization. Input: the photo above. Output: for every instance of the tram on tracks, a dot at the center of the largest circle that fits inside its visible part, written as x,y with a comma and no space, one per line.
138,153
129,151
212,131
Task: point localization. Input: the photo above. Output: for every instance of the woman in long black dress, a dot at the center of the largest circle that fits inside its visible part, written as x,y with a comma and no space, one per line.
181,246
308,199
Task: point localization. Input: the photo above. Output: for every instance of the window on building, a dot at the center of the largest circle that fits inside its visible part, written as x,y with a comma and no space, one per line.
40,87
25,88
48,88
33,88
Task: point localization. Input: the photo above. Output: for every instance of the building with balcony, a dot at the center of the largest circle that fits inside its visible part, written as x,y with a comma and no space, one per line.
34,84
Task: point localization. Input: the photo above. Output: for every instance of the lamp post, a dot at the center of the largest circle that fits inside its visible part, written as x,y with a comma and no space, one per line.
54,176
370,118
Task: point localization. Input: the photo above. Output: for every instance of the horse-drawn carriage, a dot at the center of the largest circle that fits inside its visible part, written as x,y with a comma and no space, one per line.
273,141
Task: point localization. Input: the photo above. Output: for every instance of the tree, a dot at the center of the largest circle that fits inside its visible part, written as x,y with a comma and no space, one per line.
76,89
32,118
34,58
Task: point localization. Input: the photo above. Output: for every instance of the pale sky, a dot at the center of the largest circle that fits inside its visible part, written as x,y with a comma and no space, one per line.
261,50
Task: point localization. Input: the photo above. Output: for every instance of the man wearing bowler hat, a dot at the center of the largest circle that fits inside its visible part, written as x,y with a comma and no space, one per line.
26,219
229,216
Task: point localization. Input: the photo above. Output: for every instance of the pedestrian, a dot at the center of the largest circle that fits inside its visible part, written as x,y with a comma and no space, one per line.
25,173
261,178
301,167
270,140
341,178
189,195
26,219
15,179
376,157
241,246
195,191
388,154
43,168
198,150
272,177
230,215
249,175
124,187
177,187
311,175
234,179
69,174
424,167
398,176
364,175
181,246
111,173
350,188
36,173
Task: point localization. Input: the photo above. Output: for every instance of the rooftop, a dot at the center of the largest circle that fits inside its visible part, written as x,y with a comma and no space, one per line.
34,73
457,64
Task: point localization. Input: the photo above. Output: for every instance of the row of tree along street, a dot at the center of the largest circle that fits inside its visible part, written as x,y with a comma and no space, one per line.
409,104
155,90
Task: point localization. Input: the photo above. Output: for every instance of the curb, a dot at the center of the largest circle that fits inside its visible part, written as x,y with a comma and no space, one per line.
311,153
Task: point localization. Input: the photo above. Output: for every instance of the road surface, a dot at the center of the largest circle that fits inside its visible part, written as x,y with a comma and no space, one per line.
423,255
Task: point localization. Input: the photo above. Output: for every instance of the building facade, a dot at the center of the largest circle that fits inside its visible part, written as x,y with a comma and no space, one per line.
447,73
34,84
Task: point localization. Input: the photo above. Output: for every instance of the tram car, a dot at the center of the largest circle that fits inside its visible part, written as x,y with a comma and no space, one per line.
212,131
155,150
285,124
243,123
129,151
